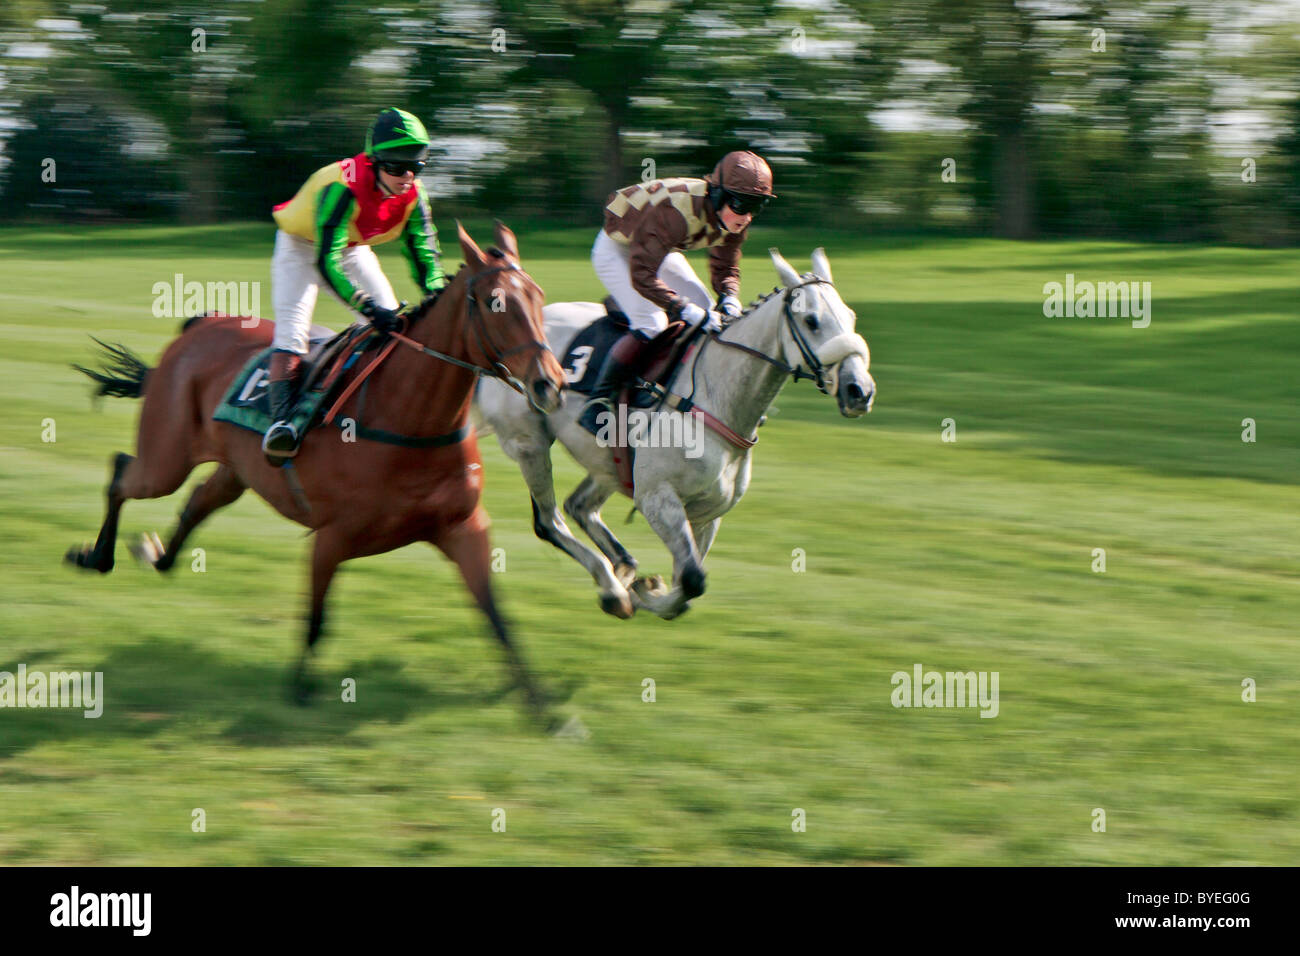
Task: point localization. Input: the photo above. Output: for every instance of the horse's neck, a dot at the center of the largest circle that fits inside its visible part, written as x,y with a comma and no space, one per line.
734,386
417,394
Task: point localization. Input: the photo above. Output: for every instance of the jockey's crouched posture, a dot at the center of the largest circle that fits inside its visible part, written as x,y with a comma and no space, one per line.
638,257
326,231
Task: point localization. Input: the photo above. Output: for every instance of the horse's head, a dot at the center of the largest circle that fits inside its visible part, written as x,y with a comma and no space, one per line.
505,320
818,335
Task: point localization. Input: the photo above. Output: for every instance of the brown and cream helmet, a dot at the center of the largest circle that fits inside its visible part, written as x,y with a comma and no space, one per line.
741,179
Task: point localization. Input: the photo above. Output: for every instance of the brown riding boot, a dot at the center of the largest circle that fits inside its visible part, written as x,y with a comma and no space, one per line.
623,361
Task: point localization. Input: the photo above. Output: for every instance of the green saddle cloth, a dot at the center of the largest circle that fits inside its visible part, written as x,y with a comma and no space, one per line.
247,402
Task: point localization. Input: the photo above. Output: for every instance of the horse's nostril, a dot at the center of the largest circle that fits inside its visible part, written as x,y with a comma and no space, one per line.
854,391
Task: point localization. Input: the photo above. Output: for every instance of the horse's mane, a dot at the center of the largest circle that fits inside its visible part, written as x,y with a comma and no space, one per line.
776,290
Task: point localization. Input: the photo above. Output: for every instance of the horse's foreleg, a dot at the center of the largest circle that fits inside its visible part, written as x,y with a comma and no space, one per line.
583,506
666,514
468,546
326,555
549,525
222,488
100,556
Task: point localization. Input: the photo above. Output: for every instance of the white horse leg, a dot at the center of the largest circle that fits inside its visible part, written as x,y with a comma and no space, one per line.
666,514
705,532
532,452
583,506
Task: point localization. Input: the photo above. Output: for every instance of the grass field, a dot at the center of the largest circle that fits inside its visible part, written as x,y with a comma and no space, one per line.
1119,690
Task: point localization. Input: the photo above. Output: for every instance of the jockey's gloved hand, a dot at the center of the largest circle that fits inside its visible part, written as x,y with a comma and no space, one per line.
730,306
692,314
385,320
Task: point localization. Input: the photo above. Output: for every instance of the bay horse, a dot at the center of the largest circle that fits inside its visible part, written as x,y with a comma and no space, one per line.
361,497
727,382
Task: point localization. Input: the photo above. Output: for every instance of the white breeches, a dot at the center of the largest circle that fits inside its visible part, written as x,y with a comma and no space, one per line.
612,262
295,282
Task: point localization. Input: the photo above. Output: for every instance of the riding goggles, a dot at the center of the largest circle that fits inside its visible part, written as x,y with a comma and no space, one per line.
743,204
398,167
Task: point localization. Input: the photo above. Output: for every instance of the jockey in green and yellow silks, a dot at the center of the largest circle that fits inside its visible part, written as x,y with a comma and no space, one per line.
326,231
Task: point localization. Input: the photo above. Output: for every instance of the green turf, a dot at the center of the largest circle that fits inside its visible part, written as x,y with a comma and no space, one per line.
1118,690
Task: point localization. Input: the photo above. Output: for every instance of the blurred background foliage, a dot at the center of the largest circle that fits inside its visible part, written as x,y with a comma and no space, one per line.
1128,119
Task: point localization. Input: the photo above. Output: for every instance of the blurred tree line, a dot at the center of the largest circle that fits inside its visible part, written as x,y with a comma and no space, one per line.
1168,119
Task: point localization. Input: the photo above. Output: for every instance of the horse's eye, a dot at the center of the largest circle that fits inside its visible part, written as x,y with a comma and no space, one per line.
812,323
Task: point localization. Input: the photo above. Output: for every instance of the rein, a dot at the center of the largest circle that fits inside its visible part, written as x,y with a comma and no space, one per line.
474,318
688,406
818,373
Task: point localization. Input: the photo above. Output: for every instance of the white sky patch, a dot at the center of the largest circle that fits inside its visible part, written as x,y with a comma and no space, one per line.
924,67
387,60
29,51
911,116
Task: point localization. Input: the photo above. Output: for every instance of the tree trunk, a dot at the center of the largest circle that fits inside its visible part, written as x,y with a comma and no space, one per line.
1013,180
615,175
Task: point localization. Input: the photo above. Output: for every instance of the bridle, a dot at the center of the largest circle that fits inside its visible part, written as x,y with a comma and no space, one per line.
496,355
818,371
817,374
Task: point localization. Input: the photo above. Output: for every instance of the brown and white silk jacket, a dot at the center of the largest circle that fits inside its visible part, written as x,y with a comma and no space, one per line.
672,215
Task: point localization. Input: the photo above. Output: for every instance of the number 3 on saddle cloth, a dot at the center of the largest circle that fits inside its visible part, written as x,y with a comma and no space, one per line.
585,356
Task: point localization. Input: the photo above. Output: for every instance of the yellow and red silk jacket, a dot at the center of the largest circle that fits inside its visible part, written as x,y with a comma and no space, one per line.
341,205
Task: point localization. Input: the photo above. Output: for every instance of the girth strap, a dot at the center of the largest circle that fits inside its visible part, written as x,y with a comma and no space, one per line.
688,407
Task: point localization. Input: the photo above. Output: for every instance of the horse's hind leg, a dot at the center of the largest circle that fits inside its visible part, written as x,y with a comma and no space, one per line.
99,557
468,546
161,466
222,488
132,480
583,506
549,525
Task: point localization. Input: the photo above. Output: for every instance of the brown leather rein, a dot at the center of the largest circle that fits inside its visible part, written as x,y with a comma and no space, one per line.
498,370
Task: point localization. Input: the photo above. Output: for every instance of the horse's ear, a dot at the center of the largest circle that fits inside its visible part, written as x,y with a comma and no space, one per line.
821,265
506,240
474,257
786,271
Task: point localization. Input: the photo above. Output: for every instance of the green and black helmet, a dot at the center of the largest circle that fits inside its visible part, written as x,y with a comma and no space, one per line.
397,135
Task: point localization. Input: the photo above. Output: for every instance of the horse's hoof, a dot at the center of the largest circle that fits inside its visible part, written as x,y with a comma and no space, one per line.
148,550
651,585
84,557
677,612
693,582
620,607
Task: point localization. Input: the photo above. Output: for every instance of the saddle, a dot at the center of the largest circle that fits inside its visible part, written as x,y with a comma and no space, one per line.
247,403
662,357
585,356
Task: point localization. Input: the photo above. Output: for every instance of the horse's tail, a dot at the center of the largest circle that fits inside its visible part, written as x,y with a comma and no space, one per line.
122,374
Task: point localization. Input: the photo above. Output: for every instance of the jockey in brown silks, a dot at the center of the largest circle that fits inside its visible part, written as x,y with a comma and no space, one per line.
638,257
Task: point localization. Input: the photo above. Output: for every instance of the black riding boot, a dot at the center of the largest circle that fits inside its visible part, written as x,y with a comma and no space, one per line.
622,362
281,440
